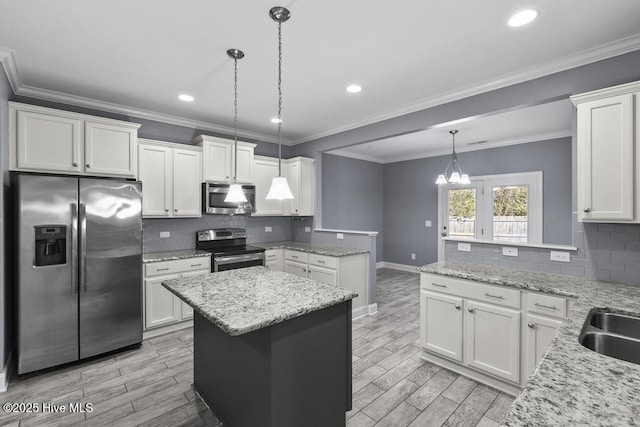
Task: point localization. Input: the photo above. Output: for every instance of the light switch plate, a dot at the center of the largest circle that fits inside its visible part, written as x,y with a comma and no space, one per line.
509,251
464,247
560,256
165,234
307,229
268,229
340,236
427,223
413,256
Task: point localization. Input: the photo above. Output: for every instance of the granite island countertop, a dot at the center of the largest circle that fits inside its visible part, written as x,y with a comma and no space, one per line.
572,384
311,248
247,299
173,255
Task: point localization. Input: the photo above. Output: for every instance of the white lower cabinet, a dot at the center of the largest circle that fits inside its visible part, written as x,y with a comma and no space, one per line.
161,307
324,275
273,259
493,334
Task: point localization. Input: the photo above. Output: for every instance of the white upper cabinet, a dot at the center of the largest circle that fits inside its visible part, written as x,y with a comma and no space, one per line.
55,141
300,173
219,159
608,154
170,175
264,170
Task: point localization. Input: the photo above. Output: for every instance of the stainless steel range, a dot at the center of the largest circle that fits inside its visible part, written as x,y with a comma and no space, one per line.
229,249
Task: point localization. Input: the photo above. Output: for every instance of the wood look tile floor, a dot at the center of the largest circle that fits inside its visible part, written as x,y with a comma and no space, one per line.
151,385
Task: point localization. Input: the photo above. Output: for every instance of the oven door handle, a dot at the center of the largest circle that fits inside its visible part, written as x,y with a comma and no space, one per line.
238,258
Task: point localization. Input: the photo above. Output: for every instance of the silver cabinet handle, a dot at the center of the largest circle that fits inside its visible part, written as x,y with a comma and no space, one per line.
321,262
550,307
494,296
437,285
531,325
163,269
88,165
294,256
75,164
457,306
175,210
587,210
166,210
470,310
196,265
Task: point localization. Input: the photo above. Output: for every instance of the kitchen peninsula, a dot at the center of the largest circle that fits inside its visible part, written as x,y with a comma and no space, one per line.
270,348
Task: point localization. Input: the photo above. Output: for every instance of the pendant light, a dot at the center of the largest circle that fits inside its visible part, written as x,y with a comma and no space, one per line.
279,187
457,176
235,194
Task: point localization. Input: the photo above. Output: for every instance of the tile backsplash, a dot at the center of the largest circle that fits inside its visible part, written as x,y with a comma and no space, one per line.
607,252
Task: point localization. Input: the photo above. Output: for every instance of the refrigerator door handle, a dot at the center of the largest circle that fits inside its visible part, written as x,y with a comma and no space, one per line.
83,247
74,249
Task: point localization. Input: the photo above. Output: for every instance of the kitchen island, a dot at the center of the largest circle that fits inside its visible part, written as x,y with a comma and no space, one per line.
270,348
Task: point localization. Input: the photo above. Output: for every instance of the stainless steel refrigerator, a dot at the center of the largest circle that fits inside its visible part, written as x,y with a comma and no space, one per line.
79,268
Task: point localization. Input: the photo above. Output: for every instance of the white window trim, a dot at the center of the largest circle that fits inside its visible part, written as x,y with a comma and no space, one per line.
534,180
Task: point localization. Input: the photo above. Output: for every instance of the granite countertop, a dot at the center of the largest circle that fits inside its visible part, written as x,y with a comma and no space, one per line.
247,299
173,255
311,248
572,384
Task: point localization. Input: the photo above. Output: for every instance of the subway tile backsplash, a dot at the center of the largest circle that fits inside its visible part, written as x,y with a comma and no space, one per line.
606,252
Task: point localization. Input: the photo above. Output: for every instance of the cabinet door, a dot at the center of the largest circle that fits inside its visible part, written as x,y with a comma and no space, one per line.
540,332
297,268
273,259
263,172
606,159
187,196
161,306
217,161
292,172
493,340
110,150
49,143
441,324
155,173
324,275
245,171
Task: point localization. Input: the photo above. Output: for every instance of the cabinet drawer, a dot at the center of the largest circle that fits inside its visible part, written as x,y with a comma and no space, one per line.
271,255
547,304
480,292
323,261
177,266
296,256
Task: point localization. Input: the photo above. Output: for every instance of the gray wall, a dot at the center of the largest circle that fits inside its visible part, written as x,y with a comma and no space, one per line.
411,197
353,198
6,291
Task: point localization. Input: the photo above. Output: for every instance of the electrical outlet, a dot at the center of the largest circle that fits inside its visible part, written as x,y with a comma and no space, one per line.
268,229
307,229
339,236
165,234
464,247
427,223
509,251
413,256
560,256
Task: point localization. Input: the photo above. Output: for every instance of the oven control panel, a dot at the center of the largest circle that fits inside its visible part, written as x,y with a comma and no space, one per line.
221,234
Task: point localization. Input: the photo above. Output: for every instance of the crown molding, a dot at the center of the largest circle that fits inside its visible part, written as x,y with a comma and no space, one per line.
607,92
462,149
8,61
599,53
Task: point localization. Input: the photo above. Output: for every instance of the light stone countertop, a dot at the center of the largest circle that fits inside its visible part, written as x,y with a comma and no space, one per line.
572,384
311,248
246,299
173,255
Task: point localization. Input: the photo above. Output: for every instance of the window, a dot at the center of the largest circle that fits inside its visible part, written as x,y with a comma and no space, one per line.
497,207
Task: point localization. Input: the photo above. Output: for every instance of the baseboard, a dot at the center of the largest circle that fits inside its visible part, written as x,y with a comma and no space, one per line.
151,333
5,375
401,267
366,310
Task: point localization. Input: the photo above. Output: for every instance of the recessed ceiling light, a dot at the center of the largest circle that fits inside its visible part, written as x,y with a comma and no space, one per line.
186,98
354,88
523,17
276,120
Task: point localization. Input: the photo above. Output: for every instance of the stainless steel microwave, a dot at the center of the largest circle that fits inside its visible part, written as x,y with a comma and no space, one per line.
214,193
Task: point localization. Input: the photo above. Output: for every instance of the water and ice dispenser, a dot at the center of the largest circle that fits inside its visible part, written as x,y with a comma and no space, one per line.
51,245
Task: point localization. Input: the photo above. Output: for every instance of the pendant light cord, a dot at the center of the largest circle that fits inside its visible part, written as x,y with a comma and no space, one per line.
279,97
235,120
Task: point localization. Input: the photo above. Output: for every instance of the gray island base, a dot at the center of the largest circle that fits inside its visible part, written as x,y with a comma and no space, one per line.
270,348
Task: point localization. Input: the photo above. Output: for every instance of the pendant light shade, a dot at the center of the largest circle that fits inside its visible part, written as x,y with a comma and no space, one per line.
279,186
457,176
235,194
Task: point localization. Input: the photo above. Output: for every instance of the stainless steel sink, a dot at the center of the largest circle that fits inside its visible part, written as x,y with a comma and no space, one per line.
613,335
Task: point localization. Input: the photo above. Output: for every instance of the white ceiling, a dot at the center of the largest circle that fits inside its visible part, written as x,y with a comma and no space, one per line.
135,57
536,123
